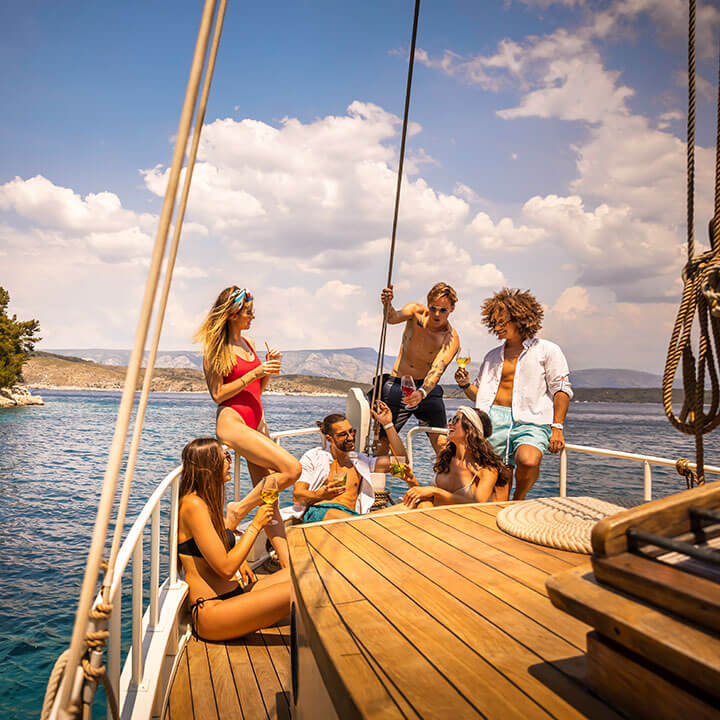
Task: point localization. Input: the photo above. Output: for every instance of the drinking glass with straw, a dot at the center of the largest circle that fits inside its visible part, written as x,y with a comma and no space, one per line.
277,356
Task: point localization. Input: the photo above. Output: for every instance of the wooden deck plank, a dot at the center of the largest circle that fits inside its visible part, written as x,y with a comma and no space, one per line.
452,655
510,605
267,678
251,700
484,514
676,645
201,686
226,695
180,705
336,651
527,552
477,636
468,540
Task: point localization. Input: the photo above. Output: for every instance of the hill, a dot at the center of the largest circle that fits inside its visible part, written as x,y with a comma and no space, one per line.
49,371
356,364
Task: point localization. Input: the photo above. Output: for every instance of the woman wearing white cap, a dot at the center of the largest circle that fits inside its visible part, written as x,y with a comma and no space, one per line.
466,469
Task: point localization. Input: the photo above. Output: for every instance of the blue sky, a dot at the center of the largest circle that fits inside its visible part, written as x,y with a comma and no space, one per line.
547,153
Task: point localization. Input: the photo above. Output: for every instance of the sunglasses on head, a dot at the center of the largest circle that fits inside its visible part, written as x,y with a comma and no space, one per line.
441,310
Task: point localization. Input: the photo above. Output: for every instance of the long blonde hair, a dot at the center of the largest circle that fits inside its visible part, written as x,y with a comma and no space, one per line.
213,333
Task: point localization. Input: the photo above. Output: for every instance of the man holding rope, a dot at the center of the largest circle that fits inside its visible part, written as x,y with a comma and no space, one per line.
429,344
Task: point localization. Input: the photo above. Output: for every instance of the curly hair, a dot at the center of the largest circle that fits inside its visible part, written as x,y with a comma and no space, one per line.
480,451
522,308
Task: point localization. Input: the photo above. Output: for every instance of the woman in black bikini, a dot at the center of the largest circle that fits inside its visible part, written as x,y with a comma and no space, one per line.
222,608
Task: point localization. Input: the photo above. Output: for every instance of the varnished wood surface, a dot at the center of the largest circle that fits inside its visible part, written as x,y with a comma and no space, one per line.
439,614
666,516
682,648
245,679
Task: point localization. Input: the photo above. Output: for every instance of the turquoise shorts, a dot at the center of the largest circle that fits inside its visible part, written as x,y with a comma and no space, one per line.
507,435
316,513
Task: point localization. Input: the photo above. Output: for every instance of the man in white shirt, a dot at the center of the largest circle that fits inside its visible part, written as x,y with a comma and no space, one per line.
523,385
335,482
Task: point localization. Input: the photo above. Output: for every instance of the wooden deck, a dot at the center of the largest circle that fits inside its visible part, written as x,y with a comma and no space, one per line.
245,679
438,614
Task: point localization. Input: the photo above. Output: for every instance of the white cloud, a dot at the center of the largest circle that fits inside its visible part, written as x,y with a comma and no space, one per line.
504,236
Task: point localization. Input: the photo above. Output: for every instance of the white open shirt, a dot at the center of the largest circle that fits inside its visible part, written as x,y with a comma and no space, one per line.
316,468
541,371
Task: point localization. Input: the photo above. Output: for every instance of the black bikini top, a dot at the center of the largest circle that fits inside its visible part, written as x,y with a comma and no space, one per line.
189,547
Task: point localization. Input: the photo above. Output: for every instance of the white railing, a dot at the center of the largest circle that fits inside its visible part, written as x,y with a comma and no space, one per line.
647,460
154,632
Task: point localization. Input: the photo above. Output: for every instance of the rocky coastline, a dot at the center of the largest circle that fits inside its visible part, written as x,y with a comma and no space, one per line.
18,396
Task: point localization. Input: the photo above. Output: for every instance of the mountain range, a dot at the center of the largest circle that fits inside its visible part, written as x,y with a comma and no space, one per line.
354,364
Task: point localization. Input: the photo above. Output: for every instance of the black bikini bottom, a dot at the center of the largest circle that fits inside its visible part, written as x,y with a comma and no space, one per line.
239,590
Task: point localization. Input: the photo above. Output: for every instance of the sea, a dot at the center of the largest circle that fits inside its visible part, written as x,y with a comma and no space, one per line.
52,461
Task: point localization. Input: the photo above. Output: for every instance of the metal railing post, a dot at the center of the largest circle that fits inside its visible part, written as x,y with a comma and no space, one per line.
172,550
563,473
154,567
647,481
137,613
114,657
236,475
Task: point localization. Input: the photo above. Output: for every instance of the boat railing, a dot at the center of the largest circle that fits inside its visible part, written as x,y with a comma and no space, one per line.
154,628
647,460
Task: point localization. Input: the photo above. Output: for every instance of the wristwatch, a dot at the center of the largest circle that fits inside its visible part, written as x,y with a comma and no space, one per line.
557,426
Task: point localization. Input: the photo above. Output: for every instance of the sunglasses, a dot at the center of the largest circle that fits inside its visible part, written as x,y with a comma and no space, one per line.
454,419
346,433
228,456
441,310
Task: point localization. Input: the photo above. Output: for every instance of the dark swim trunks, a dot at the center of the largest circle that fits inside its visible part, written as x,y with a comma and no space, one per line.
430,412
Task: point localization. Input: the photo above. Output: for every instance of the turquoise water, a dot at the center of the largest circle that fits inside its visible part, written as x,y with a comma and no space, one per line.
51,467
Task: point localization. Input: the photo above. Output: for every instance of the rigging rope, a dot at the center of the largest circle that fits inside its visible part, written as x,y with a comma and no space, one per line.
701,278
91,633
379,367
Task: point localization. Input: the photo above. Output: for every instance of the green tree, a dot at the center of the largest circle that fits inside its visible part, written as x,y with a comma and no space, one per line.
17,340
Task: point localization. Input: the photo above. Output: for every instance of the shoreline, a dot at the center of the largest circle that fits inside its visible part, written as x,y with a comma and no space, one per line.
82,388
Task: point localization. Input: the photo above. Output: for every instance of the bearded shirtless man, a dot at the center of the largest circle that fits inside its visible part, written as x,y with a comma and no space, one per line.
523,385
429,344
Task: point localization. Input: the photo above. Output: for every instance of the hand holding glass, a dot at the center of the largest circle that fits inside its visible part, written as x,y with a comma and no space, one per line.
407,385
463,358
270,493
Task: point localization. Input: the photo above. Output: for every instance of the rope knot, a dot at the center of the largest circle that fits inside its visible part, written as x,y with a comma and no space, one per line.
101,611
92,673
96,640
682,465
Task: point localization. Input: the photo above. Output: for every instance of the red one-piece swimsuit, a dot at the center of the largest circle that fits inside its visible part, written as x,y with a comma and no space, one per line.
247,402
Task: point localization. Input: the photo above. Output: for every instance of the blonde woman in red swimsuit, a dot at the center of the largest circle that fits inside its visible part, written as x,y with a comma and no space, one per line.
236,378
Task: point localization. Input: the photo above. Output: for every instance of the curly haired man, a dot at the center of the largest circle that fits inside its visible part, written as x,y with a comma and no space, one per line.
523,385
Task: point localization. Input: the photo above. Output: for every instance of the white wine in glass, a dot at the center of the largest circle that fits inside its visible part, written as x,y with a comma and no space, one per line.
270,492
463,358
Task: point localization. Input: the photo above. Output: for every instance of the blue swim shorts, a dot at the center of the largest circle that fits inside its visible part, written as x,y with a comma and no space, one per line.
508,435
316,513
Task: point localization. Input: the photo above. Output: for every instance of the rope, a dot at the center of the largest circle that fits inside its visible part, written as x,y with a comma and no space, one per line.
379,367
115,458
701,277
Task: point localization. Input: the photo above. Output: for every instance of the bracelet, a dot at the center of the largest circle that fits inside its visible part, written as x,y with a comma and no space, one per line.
463,387
557,426
389,425
423,391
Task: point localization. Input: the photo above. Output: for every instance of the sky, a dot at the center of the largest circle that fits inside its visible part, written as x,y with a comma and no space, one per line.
546,152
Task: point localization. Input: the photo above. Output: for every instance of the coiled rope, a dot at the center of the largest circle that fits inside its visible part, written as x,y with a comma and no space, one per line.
90,623
379,367
701,277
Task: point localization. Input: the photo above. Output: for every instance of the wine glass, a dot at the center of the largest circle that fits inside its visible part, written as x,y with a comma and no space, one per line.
407,385
270,492
463,357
